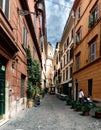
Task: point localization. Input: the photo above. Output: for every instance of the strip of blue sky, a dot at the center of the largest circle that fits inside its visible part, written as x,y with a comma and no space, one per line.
56,15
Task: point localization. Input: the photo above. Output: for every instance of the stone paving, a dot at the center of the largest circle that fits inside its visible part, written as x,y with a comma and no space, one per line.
52,114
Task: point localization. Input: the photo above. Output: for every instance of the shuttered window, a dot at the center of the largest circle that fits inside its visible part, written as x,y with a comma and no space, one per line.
92,51
78,36
1,4
7,8
4,5
94,15
78,62
79,12
24,37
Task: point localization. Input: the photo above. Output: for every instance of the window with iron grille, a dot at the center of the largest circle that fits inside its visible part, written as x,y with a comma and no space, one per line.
94,15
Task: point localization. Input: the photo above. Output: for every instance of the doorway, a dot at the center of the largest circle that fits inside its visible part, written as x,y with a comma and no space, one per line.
2,85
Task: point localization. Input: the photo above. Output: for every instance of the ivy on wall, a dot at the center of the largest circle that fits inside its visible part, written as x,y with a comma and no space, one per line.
34,73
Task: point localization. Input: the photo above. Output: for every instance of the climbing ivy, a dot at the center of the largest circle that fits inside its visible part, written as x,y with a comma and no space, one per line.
33,69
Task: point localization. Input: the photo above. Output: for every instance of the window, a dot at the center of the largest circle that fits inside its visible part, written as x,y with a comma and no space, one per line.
94,15
4,5
1,3
64,46
67,56
59,56
71,53
79,12
22,85
90,82
57,60
78,62
66,73
78,36
64,60
61,65
71,71
72,34
92,51
24,37
67,41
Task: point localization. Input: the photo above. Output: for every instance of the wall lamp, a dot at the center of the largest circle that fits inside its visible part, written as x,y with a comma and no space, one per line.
39,7
24,12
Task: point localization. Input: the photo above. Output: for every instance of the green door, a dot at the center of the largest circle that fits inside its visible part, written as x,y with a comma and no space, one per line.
2,90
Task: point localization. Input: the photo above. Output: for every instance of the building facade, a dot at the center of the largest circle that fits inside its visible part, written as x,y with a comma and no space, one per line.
66,50
20,27
49,58
87,48
56,78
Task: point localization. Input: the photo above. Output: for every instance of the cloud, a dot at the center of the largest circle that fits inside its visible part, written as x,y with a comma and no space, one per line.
57,13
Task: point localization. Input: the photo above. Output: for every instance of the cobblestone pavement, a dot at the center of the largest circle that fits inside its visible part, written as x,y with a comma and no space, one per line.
52,114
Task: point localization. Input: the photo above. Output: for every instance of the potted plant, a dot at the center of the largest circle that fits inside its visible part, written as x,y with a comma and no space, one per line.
78,106
69,101
85,109
74,104
97,112
42,93
30,95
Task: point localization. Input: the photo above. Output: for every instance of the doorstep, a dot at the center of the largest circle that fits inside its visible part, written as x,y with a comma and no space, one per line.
3,121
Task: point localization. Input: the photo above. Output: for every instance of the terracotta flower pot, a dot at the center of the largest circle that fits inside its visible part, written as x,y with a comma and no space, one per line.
86,113
98,115
30,103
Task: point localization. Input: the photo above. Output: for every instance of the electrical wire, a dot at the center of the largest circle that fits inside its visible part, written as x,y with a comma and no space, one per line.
58,4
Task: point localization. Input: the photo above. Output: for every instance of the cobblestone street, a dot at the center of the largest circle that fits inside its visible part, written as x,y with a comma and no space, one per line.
52,114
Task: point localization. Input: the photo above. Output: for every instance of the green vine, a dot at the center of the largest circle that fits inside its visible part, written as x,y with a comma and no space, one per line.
34,74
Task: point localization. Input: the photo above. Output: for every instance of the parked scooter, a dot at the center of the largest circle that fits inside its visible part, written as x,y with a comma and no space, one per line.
89,101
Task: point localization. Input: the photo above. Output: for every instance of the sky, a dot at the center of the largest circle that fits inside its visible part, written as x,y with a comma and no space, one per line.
57,12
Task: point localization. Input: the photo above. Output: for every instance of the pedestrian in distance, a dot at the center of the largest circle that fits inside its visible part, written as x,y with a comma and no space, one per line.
37,100
81,96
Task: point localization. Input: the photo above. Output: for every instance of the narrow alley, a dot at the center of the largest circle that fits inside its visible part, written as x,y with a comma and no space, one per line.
52,114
